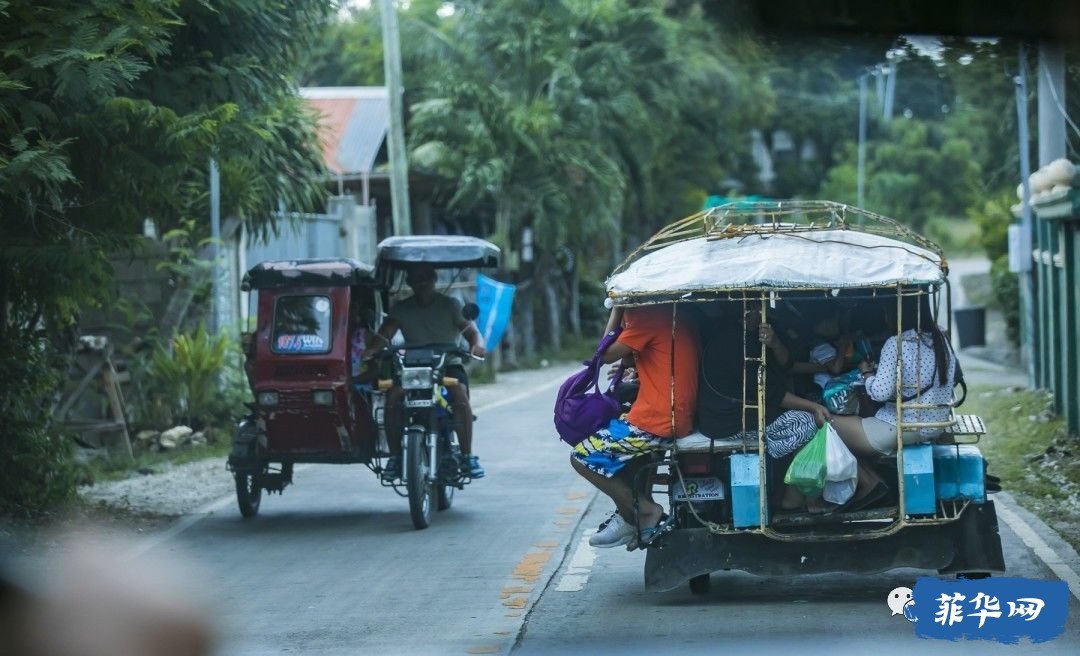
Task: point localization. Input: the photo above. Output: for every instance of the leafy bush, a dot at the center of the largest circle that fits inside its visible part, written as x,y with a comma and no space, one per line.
993,218
191,375
1006,287
36,472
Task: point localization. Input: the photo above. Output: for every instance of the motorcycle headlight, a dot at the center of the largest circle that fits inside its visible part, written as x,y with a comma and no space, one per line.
418,378
268,399
322,397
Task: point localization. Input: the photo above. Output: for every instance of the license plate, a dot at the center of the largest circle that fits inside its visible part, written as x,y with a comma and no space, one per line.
699,489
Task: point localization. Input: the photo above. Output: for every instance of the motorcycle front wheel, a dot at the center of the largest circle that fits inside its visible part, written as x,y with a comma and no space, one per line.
418,477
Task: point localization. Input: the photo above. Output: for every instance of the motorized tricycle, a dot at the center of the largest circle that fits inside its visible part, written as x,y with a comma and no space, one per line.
765,261
319,396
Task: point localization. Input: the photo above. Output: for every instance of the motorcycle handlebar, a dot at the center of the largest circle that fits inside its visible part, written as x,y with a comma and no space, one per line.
448,349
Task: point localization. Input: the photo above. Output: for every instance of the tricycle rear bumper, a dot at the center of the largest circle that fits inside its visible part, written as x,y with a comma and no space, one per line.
969,544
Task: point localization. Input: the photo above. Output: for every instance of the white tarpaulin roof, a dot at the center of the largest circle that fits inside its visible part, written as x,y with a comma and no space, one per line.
825,259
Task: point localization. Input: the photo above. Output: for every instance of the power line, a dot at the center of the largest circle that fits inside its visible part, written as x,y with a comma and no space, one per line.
1053,94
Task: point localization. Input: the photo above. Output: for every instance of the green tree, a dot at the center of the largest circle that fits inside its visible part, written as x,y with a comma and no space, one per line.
915,172
109,113
574,119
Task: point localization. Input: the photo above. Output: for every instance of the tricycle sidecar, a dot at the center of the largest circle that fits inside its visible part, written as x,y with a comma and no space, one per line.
319,395
307,407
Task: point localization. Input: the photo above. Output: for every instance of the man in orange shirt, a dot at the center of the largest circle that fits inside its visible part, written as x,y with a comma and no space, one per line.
664,345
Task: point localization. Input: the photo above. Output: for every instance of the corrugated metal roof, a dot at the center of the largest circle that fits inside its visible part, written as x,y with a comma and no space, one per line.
353,122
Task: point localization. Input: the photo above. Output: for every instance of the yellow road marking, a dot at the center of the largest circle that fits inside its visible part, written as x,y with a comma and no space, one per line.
515,589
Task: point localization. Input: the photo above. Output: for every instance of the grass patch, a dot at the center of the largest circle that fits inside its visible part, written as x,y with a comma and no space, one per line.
117,466
1032,452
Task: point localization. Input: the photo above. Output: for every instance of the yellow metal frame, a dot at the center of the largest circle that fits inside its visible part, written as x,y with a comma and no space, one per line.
736,220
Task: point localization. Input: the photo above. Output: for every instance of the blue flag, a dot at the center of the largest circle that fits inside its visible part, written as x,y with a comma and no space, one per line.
496,301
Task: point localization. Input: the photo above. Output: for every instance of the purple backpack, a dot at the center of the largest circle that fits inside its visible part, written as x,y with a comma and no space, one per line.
580,407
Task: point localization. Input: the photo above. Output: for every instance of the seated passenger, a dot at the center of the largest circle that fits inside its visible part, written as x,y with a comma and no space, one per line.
666,360
835,352
927,370
790,421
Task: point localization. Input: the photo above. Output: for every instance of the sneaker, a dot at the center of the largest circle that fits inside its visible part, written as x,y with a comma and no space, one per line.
613,515
616,533
472,466
391,471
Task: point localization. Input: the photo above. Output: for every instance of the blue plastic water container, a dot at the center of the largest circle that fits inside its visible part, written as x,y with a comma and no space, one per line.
971,473
919,493
745,476
959,473
945,480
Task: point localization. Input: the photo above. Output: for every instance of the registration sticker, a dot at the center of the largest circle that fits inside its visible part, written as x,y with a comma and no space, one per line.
699,489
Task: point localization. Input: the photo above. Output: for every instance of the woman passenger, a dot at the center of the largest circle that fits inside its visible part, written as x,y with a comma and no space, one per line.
927,371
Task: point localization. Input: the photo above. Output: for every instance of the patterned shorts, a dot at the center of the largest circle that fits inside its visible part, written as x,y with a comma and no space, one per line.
787,433
608,450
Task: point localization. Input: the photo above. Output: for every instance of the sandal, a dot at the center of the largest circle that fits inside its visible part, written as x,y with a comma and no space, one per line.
650,535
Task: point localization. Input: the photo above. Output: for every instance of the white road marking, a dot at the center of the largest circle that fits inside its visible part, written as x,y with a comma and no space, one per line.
183,524
186,522
1046,554
580,566
543,387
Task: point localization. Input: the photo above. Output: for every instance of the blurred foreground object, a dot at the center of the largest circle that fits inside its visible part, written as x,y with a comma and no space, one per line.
89,601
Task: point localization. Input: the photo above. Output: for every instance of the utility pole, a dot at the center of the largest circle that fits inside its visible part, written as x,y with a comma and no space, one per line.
890,89
215,247
1051,76
1026,232
399,165
860,195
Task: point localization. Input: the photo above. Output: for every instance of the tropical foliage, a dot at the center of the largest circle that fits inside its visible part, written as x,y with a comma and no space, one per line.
109,114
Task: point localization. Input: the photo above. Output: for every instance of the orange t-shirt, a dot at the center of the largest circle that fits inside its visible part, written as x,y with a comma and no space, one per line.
647,330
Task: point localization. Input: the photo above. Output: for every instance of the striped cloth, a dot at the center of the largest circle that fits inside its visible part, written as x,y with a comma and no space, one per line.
786,433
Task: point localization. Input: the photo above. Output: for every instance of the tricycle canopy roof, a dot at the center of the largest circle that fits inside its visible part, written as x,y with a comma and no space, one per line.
772,246
328,272
440,251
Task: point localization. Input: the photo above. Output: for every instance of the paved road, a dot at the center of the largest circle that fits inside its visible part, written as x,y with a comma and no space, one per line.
334,567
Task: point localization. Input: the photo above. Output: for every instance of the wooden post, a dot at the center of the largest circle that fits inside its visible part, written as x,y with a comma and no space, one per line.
116,402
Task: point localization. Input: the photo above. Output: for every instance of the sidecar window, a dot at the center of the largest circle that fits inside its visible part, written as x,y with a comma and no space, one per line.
301,324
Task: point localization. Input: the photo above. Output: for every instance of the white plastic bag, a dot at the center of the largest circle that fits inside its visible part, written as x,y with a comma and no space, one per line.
842,470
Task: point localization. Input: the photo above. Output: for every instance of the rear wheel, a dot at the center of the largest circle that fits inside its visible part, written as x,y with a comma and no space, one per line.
418,478
248,494
699,585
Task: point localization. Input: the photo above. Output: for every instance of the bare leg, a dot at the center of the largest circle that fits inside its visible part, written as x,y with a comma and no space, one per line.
623,496
463,424
394,418
631,473
851,432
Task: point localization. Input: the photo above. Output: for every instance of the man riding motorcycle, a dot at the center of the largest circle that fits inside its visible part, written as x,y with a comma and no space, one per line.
429,317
